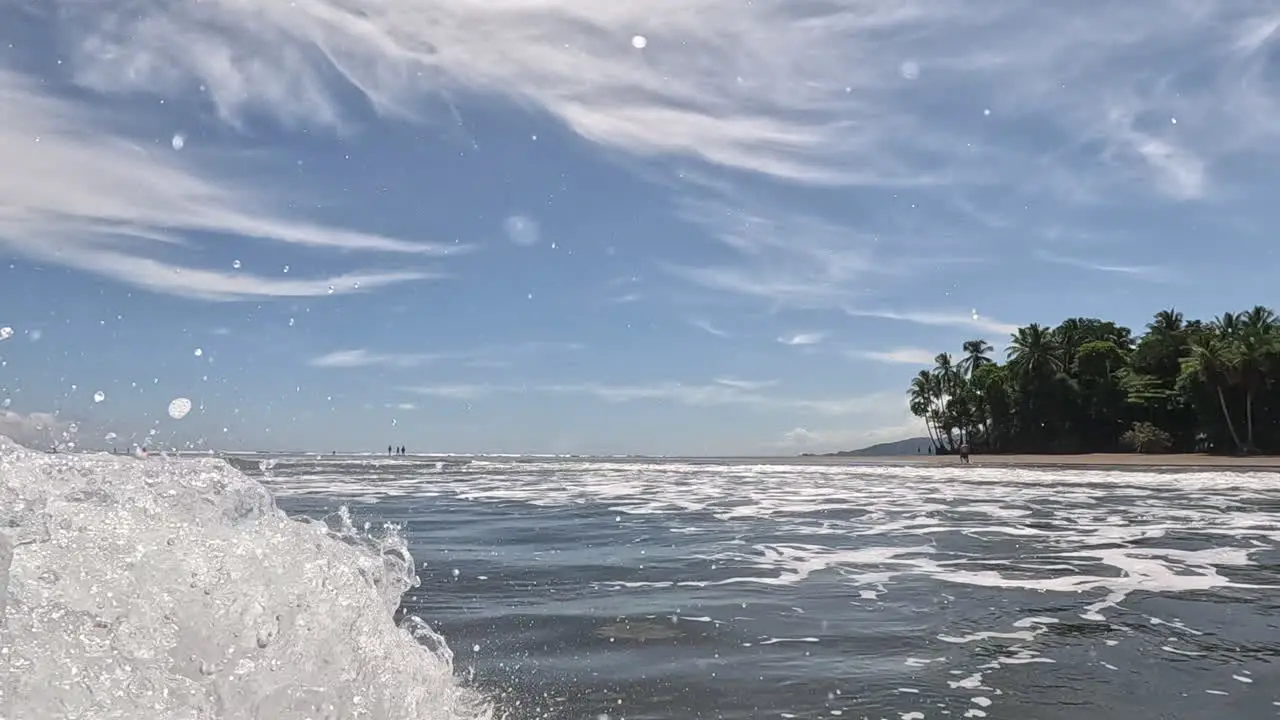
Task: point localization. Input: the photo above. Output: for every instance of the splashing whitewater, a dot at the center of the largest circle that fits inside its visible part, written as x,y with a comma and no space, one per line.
165,588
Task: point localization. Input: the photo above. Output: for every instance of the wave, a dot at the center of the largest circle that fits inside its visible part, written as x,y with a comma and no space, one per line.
168,588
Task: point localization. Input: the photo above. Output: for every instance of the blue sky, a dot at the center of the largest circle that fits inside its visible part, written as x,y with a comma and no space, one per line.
693,226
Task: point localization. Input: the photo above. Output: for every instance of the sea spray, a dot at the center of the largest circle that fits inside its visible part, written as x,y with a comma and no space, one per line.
177,589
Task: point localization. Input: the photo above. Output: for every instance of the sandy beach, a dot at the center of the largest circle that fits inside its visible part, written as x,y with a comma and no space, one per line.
1097,460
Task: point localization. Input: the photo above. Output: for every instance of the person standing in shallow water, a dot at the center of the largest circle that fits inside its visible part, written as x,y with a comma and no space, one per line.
964,453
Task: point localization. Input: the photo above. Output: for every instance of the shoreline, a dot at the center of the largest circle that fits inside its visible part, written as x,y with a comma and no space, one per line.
1199,461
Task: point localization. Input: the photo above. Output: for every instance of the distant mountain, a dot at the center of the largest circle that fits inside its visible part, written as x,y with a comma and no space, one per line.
910,446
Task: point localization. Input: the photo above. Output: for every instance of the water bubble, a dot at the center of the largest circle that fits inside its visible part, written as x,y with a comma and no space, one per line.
6,332
7,402
1173,121
456,572
198,352
235,264
356,285
110,436
910,70
286,268
179,408
330,289
639,42
178,141
975,313
290,322
986,111
99,396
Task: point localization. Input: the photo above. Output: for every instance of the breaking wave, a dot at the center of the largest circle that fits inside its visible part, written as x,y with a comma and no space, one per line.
164,588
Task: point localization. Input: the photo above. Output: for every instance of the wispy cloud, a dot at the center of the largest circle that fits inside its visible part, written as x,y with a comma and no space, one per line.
903,356
101,204
716,393
797,91
746,384
361,357
1141,272
455,392
940,319
499,355
805,338
707,327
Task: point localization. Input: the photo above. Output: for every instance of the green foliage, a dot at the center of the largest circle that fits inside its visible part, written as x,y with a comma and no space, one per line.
1089,385
1144,437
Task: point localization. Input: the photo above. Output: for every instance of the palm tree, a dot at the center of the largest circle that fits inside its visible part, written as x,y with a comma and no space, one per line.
1035,352
924,393
975,356
1166,322
1212,361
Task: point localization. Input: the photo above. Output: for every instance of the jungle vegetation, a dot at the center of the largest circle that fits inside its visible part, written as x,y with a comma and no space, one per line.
1088,385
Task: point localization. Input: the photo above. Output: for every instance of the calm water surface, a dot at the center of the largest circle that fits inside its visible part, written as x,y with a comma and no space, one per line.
674,589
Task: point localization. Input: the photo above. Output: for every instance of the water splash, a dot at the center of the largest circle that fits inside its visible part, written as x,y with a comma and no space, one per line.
176,588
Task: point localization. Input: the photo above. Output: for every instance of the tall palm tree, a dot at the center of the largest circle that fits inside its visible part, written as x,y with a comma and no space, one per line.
975,356
926,397
1166,322
1035,352
1212,361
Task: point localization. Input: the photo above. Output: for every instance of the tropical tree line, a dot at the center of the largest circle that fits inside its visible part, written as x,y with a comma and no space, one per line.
1089,385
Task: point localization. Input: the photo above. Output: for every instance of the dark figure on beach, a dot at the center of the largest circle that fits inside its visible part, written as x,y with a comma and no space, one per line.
388,449
964,453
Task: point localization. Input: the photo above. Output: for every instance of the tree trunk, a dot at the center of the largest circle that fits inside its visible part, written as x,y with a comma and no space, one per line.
1248,419
1222,400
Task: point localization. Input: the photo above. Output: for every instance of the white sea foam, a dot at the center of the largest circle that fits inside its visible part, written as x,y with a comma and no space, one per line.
161,588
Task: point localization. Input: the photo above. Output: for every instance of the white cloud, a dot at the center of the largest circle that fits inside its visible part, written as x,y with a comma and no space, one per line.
522,230
823,93
89,200
803,439
1142,272
39,430
904,356
941,319
746,384
716,393
455,392
707,327
361,357
805,338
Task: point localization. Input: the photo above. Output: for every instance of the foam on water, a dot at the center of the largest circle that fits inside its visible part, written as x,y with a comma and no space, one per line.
161,588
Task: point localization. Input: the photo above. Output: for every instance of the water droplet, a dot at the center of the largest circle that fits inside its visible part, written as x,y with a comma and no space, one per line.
6,332
179,408
330,289
290,322
179,141
910,70
975,313
99,396
286,268
475,648
455,572
236,264
639,42
986,111
356,285
198,352
1173,121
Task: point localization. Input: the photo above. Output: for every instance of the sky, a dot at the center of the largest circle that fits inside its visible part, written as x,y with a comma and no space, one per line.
568,226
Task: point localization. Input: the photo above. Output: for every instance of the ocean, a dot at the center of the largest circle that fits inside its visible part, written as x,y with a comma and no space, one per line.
522,588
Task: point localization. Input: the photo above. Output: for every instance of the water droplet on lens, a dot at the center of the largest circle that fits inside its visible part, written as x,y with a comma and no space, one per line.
236,264
99,396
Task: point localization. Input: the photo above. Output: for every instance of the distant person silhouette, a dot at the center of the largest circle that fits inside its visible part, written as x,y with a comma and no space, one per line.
388,449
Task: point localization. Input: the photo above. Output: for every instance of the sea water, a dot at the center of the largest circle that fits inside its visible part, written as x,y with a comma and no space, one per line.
609,588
